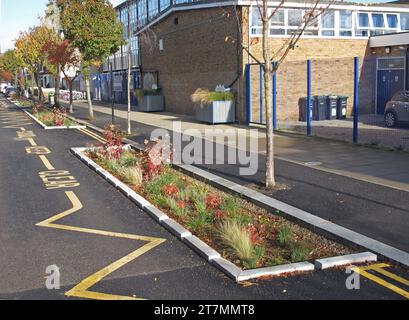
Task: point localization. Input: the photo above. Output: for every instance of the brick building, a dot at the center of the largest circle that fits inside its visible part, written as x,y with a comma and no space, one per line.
199,44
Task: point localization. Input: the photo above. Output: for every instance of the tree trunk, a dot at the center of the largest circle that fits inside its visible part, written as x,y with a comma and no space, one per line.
70,83
40,89
129,68
88,87
57,90
268,91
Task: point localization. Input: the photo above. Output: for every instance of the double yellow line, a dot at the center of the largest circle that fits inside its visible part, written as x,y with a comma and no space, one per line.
92,135
380,269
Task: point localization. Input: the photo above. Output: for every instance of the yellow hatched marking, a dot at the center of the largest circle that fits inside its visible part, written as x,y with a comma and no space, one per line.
363,271
82,289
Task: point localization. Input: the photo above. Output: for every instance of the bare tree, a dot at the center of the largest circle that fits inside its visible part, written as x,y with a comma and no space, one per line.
272,58
129,66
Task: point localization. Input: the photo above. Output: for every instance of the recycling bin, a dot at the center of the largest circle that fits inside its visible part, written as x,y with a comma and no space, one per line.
303,109
51,98
342,107
320,106
332,107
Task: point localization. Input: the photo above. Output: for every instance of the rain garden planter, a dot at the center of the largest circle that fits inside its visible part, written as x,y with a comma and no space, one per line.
212,222
217,112
152,104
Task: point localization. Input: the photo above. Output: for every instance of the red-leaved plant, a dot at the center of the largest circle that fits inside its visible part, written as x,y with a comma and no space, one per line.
113,147
156,157
59,116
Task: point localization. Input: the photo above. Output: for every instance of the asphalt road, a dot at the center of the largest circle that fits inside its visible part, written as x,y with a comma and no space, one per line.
168,271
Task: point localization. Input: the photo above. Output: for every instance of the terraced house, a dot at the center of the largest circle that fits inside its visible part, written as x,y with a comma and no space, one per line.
188,45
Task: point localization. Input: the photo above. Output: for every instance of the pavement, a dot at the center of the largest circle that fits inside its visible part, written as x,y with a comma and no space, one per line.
100,231
372,131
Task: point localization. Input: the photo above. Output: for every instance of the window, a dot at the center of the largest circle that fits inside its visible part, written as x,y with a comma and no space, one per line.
392,21
256,22
278,23
401,96
362,24
164,4
328,24
363,20
294,17
153,9
142,13
404,21
345,23
377,20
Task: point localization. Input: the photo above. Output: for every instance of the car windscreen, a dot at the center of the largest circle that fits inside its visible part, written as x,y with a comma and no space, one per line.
402,96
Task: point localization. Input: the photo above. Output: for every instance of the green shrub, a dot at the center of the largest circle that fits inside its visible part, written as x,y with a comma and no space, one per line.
129,159
140,93
131,175
230,205
206,97
112,165
300,253
285,235
238,240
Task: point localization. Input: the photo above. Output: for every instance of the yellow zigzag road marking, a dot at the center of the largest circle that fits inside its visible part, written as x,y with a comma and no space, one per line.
82,289
379,268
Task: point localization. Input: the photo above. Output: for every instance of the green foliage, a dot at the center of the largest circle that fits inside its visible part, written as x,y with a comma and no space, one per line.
300,253
285,235
92,27
140,93
237,239
206,97
230,205
131,175
156,186
129,159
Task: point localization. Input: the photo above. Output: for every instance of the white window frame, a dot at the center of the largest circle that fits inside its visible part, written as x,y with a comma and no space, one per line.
337,30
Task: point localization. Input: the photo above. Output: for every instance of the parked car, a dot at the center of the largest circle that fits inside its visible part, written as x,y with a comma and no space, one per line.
397,110
10,91
3,87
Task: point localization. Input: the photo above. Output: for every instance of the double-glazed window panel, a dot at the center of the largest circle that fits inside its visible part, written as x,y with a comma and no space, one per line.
332,23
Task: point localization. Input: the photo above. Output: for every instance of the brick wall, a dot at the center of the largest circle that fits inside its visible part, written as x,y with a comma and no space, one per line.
196,54
333,72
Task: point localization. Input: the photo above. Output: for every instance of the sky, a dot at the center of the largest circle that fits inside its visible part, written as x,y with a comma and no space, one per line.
19,15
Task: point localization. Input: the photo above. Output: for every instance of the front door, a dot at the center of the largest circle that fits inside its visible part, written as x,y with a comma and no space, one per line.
391,79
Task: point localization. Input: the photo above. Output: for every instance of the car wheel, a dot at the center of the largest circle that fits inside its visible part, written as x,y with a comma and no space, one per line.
391,120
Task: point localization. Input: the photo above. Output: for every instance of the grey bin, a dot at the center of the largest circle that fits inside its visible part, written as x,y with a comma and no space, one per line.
342,107
152,104
303,109
217,112
332,111
320,107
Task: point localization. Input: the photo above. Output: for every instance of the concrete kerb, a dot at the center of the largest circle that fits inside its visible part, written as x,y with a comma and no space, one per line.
211,255
50,128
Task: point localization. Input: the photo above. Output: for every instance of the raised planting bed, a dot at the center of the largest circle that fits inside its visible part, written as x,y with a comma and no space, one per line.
52,119
240,238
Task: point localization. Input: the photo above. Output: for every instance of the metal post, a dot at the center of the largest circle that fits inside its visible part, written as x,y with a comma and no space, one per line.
275,99
112,92
261,95
248,83
356,99
309,93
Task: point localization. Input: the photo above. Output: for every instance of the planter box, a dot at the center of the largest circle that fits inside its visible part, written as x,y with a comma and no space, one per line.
152,104
217,112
